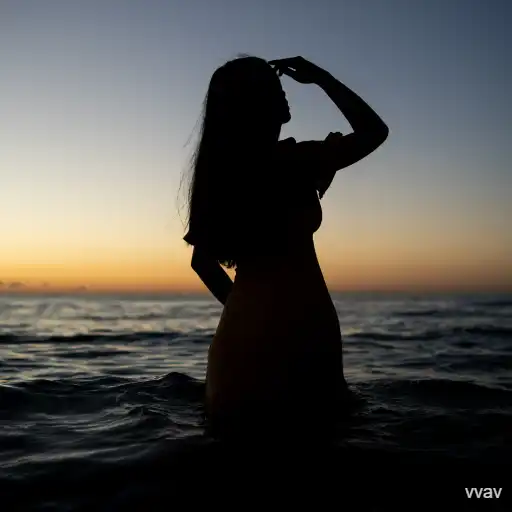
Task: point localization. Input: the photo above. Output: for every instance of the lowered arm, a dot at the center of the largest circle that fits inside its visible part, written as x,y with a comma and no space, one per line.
212,274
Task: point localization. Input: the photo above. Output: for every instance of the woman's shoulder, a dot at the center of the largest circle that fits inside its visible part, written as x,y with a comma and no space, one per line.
290,147
285,145
286,149
289,141
294,154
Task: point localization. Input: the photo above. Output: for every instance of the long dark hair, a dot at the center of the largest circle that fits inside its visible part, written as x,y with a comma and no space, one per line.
240,126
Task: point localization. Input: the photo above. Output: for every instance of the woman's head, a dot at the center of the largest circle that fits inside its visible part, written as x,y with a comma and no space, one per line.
246,94
244,110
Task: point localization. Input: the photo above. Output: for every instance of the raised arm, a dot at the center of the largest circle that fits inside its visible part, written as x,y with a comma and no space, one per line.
212,274
369,129
336,151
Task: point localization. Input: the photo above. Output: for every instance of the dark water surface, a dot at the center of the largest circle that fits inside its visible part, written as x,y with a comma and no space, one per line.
101,397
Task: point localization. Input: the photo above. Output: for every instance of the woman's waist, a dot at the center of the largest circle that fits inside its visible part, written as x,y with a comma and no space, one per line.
279,281
280,298
279,261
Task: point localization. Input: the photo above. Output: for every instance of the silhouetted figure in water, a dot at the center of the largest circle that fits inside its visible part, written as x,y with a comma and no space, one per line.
275,363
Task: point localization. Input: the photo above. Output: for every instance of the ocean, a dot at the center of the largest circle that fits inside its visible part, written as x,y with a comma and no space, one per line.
101,396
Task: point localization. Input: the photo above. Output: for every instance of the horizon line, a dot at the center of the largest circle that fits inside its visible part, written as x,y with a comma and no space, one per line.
160,292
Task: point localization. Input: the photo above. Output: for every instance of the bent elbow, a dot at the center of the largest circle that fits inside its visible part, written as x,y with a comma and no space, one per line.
373,137
384,132
380,134
200,260
195,261
377,138
197,265
194,266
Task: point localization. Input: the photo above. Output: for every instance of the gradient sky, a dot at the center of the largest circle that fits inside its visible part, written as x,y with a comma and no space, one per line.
99,99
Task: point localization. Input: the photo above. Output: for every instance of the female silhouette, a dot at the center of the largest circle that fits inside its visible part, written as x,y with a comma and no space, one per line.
275,362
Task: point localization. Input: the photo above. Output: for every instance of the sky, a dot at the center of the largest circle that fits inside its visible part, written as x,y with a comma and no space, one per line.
100,104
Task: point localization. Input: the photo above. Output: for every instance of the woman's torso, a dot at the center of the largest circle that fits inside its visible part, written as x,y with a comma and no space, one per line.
278,337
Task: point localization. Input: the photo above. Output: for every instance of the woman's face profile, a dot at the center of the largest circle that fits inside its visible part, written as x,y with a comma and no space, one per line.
286,107
266,86
281,102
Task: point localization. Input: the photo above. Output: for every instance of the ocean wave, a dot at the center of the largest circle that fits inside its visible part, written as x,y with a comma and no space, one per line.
425,312
482,363
494,303
485,330
389,336
439,313
198,336
94,354
176,381
467,312
454,389
204,336
116,316
433,334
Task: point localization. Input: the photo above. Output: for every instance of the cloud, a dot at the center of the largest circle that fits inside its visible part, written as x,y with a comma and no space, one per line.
82,288
16,285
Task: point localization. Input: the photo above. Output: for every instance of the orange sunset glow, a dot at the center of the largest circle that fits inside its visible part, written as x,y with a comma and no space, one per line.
100,120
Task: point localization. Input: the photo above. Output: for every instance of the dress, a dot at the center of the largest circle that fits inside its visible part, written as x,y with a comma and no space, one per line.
276,356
